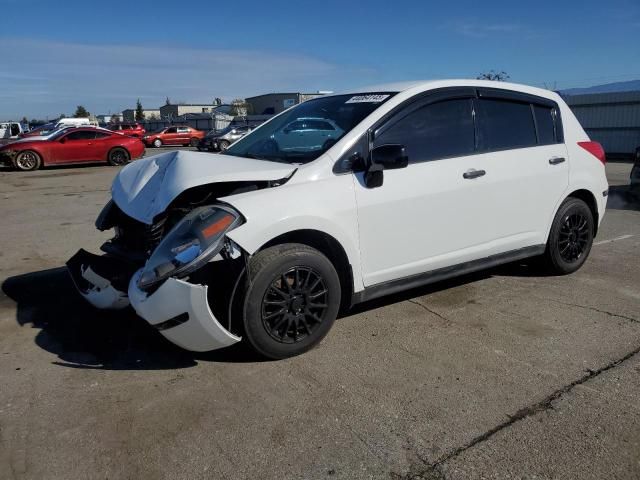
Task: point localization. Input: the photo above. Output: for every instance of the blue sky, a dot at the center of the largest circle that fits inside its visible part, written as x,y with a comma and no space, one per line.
105,55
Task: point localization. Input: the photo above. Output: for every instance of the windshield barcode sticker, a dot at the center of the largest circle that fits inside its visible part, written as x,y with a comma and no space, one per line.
367,99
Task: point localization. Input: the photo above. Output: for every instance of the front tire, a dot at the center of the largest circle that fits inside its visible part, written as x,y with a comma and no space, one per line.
291,300
194,142
157,143
118,156
223,145
27,161
571,237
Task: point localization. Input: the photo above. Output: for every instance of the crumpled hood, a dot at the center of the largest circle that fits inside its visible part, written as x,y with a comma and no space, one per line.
146,187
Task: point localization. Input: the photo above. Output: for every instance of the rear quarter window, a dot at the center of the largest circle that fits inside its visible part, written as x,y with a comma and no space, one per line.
545,124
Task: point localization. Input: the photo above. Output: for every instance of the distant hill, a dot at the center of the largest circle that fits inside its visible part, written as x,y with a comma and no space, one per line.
606,88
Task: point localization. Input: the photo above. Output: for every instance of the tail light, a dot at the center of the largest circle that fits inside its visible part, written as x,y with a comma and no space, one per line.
595,149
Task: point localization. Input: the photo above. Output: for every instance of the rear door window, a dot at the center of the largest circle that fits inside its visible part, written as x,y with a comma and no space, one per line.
504,124
434,131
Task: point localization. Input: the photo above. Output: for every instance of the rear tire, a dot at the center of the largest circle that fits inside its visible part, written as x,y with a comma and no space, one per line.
118,156
291,300
570,238
27,161
194,142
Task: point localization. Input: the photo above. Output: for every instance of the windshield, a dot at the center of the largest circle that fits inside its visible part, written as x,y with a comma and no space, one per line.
57,133
304,132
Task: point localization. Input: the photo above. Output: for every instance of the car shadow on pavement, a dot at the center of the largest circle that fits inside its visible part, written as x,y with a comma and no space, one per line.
85,337
621,198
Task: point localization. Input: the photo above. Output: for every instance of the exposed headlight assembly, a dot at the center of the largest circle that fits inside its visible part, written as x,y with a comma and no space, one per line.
194,240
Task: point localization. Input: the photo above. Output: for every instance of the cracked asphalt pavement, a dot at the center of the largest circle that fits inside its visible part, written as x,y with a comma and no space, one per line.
501,374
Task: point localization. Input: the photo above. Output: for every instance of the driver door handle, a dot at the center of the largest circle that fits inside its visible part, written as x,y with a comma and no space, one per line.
556,160
469,174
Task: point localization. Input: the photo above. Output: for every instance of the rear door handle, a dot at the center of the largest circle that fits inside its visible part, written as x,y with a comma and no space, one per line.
469,174
556,160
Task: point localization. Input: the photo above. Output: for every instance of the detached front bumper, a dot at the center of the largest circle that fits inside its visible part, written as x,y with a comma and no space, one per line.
101,280
179,310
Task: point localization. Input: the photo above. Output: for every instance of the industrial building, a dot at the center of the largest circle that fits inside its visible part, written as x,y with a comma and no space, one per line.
612,119
129,115
274,103
174,111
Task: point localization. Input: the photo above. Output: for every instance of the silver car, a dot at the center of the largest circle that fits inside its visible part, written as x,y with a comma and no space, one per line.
220,141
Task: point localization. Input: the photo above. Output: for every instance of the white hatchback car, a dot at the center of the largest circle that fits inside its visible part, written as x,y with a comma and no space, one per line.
425,181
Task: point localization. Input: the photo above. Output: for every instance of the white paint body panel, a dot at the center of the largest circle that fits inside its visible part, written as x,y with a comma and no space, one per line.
146,187
201,333
427,216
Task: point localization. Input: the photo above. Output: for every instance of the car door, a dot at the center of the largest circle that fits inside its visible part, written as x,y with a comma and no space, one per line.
321,132
170,136
520,145
76,146
292,136
102,144
183,136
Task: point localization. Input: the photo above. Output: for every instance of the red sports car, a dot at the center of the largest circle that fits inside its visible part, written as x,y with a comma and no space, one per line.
129,129
73,145
174,136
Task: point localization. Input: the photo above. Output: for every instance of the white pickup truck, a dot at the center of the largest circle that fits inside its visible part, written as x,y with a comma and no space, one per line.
10,131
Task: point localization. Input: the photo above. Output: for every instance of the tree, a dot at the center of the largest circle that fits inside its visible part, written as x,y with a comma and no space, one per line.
139,112
81,112
62,115
24,121
493,75
217,101
240,107
167,101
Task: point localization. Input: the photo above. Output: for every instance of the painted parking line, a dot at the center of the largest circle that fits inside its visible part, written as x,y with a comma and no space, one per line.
621,237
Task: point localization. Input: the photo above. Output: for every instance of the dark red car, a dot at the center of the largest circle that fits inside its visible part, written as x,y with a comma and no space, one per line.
174,136
129,129
72,145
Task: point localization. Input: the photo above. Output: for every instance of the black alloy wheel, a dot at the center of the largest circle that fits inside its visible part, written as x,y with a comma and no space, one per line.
573,236
290,300
118,156
570,238
294,305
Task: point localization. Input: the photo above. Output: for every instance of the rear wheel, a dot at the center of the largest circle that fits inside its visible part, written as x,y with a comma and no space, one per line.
118,156
571,237
157,143
291,300
27,161
194,142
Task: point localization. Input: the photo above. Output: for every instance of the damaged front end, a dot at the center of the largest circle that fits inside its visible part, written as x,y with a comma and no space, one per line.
170,257
167,277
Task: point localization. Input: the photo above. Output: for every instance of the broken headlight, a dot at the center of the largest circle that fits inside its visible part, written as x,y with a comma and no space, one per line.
194,240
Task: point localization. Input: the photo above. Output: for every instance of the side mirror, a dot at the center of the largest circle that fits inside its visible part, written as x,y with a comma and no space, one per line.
389,157
384,157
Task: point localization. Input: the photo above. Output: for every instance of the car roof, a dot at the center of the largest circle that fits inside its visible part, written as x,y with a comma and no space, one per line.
421,85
